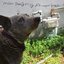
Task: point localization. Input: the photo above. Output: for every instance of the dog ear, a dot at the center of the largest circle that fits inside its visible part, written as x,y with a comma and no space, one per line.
5,22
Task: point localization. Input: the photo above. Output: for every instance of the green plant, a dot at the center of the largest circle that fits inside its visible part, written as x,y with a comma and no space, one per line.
61,31
37,47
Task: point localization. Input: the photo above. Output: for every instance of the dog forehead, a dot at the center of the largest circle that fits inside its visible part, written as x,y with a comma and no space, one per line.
17,17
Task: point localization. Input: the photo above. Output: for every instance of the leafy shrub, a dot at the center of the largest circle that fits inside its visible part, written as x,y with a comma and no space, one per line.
38,49
49,45
61,31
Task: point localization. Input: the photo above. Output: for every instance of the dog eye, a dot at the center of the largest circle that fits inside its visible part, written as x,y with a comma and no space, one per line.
21,19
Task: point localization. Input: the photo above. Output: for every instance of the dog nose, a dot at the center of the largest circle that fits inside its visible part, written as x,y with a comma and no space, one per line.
37,19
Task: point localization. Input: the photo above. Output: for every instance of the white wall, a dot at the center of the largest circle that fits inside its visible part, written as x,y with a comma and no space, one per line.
11,7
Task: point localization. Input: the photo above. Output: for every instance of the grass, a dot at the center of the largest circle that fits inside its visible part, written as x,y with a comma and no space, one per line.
27,59
31,54
39,49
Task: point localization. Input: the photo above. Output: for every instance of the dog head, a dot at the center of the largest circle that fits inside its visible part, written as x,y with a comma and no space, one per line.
20,26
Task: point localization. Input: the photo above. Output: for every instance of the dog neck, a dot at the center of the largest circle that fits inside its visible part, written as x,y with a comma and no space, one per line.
21,37
9,36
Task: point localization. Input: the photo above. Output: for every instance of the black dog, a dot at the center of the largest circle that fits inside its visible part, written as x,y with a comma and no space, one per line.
13,32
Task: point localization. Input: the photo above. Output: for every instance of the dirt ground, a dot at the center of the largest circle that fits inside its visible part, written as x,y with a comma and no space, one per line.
62,59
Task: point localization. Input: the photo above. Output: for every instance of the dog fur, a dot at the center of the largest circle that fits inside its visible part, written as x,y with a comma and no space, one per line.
16,30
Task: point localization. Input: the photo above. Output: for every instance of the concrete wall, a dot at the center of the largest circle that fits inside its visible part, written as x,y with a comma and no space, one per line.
61,21
11,7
